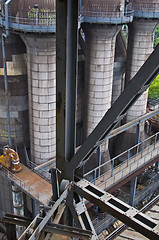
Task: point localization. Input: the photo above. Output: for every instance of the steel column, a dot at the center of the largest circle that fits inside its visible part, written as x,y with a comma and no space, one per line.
66,74
61,38
71,77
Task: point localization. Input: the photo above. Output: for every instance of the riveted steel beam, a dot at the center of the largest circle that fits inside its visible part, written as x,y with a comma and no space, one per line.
117,208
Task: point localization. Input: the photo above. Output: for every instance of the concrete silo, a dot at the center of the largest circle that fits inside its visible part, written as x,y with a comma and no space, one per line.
17,93
140,46
40,42
103,20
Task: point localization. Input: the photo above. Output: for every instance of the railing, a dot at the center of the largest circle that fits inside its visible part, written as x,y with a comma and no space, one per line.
146,10
41,172
153,7
131,159
21,184
44,20
102,14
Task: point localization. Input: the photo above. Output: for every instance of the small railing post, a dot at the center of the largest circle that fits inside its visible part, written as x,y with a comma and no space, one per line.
128,157
95,175
142,149
112,167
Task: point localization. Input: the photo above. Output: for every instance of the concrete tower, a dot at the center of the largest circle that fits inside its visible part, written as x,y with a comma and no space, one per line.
140,46
40,42
17,92
41,59
100,38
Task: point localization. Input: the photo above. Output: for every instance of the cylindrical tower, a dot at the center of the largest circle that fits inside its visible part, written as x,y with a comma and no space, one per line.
100,39
30,17
140,46
41,61
17,92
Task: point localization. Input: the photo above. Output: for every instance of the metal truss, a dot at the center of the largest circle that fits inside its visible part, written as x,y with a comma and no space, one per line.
85,230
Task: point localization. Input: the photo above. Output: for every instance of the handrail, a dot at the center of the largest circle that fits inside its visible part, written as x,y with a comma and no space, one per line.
126,157
21,184
36,18
41,172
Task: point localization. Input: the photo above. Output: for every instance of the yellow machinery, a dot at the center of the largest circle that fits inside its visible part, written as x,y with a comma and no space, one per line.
10,160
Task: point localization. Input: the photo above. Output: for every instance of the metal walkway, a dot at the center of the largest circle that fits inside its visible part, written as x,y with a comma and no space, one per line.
144,157
31,183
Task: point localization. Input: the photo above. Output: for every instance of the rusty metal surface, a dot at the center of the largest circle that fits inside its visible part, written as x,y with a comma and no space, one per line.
36,183
28,8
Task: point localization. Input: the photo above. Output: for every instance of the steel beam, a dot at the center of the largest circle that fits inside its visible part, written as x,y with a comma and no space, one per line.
35,233
120,210
80,215
61,58
140,82
50,228
66,75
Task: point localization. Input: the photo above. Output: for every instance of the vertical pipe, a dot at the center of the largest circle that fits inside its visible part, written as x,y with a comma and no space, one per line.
6,87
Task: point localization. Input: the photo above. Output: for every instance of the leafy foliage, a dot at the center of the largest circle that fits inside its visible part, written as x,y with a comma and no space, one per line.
156,38
154,89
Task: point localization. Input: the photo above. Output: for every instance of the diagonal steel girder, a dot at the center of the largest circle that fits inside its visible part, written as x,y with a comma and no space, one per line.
117,208
140,82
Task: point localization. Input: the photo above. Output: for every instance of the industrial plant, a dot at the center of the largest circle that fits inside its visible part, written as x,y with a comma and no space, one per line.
79,133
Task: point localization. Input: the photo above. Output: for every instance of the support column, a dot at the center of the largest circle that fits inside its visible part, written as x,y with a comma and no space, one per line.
133,184
99,58
140,46
41,60
157,166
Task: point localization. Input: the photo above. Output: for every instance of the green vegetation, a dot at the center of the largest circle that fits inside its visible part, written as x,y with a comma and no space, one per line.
154,87
156,39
